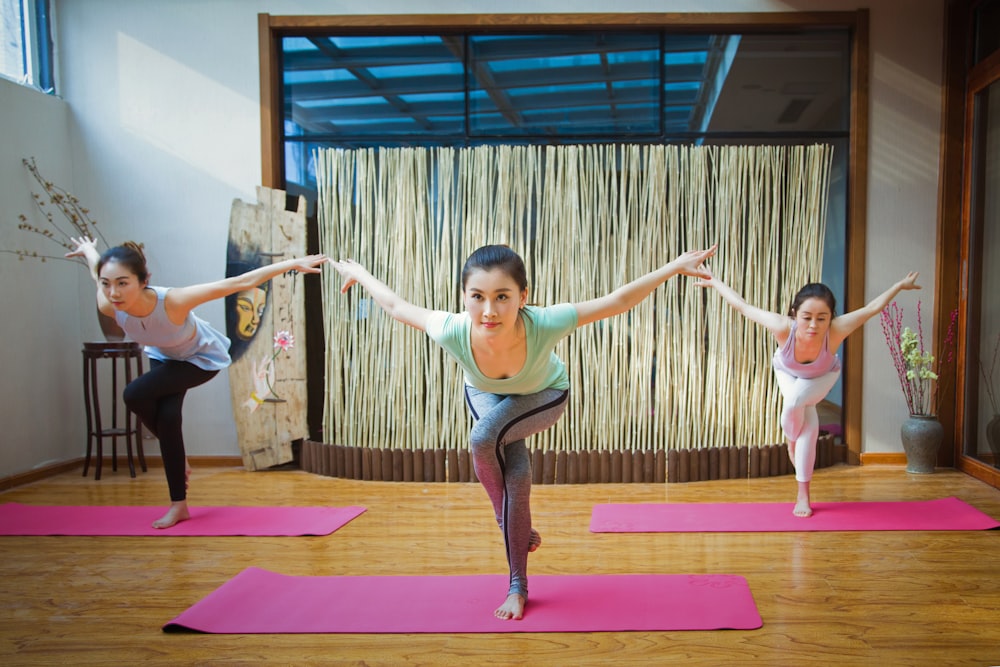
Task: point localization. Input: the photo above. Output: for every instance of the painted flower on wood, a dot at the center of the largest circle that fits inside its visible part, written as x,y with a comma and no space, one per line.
283,341
263,373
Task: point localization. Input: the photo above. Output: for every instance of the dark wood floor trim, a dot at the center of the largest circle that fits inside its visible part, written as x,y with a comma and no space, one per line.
51,470
548,467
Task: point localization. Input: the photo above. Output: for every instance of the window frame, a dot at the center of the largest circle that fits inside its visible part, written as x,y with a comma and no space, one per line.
36,47
272,28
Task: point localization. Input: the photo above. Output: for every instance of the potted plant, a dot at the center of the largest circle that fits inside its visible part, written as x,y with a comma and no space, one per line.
921,433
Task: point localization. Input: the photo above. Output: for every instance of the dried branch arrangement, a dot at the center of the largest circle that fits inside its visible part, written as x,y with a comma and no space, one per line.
64,217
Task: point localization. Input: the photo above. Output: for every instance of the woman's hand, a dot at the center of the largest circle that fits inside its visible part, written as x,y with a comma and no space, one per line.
910,281
691,263
351,272
83,245
309,264
708,279
86,247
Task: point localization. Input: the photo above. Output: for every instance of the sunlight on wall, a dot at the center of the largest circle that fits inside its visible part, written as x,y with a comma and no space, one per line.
180,110
902,209
904,146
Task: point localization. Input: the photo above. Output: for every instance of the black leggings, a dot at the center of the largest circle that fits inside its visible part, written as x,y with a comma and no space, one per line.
157,397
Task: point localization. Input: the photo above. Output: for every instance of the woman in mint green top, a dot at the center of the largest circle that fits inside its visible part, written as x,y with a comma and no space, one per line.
515,385
542,369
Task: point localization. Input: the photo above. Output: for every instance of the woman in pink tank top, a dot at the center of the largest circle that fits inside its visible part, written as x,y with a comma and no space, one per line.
806,364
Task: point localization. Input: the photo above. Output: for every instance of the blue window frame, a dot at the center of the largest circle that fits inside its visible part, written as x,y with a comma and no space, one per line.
645,86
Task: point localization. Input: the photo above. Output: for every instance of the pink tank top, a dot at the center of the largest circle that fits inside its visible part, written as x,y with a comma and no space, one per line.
784,359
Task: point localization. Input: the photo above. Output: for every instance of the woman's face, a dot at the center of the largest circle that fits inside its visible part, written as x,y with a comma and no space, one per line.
492,299
249,310
812,319
120,286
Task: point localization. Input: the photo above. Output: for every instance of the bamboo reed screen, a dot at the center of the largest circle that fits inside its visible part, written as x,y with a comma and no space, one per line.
681,370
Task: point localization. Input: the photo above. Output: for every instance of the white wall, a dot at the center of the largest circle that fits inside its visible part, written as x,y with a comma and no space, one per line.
906,71
41,410
164,132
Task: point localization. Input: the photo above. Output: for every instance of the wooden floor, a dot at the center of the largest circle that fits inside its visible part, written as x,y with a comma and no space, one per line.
876,598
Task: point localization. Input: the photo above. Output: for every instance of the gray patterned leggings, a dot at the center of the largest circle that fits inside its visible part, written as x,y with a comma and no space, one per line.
503,465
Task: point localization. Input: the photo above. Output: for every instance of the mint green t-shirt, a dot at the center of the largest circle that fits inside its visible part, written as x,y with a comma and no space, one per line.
543,327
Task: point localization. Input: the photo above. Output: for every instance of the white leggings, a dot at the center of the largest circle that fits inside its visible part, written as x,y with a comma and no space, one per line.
799,419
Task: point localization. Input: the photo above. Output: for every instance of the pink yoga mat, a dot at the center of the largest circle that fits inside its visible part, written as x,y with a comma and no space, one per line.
257,601
17,519
941,514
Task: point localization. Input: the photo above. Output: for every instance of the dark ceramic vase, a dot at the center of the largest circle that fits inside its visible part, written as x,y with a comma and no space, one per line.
922,436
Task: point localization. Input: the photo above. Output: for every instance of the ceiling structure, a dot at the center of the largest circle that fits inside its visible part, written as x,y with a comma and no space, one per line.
581,86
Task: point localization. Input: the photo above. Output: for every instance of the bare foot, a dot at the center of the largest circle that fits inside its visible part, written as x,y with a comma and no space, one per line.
534,541
802,508
178,512
512,608
187,473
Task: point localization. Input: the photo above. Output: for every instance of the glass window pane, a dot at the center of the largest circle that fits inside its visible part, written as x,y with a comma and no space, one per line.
788,83
26,43
986,20
982,411
582,84
389,86
585,86
12,63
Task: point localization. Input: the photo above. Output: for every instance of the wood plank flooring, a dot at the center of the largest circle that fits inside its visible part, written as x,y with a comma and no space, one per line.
876,598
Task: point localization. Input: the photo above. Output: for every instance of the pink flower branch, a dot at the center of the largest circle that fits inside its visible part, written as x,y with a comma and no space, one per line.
914,364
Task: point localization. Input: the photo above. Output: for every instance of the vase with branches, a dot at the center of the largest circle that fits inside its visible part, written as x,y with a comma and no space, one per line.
917,368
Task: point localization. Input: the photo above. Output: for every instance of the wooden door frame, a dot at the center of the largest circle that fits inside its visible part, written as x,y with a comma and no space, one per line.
964,83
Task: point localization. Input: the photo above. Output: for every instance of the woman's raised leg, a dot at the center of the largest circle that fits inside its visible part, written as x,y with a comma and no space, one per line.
503,466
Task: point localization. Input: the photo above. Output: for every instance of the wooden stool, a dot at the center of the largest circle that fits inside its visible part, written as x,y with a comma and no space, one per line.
129,353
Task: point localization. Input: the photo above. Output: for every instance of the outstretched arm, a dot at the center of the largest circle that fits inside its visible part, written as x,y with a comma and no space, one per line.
844,325
87,248
182,300
627,296
776,323
396,306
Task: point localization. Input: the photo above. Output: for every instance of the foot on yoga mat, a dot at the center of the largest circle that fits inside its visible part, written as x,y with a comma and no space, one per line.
18,519
941,514
258,601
